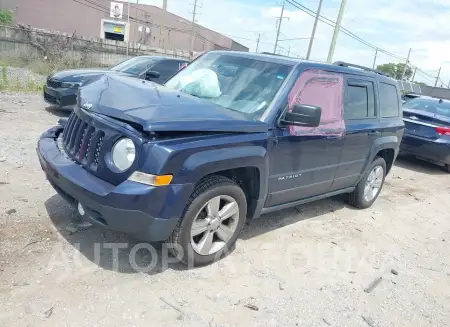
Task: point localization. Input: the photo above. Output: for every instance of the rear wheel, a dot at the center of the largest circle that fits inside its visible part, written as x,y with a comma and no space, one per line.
368,189
213,219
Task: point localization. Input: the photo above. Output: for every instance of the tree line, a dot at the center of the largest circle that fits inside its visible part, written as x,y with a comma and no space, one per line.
396,70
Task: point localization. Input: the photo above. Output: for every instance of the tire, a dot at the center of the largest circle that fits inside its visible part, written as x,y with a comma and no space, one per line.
357,197
447,168
183,246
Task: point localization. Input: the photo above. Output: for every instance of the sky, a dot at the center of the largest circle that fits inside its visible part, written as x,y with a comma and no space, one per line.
393,25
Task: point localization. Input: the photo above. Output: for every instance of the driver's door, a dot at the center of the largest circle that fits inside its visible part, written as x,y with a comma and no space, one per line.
166,69
303,160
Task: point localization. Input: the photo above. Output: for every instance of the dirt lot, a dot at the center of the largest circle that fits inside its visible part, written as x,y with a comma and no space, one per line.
306,266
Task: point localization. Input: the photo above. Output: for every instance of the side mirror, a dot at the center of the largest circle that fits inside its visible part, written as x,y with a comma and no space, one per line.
152,74
303,115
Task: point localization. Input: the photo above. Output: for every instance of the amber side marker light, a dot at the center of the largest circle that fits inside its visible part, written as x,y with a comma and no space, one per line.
148,179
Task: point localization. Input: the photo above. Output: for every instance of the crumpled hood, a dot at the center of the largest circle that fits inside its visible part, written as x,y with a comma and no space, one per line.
157,108
79,75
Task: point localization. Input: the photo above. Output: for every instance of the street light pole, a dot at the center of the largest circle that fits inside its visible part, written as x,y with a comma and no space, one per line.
414,75
375,59
336,31
313,33
279,29
437,77
406,64
257,42
129,28
193,29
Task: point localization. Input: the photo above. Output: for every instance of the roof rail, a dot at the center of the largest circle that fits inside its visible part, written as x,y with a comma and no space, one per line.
346,64
273,54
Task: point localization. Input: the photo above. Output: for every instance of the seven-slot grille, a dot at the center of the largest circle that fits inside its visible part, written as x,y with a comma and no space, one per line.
82,142
53,83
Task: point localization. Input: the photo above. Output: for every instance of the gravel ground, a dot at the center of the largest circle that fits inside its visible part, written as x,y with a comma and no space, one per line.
21,77
307,266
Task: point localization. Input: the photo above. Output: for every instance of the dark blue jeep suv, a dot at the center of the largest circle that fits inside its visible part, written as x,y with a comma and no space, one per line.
232,136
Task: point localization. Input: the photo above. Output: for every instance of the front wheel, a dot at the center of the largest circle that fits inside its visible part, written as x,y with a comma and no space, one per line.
369,187
213,219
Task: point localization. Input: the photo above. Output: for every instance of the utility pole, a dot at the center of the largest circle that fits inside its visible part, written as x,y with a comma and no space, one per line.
406,65
414,74
165,5
336,31
193,29
289,51
129,28
279,28
313,33
257,42
375,59
437,77
448,86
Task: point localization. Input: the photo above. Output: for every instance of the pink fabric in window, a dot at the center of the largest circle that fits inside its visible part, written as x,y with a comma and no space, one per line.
325,90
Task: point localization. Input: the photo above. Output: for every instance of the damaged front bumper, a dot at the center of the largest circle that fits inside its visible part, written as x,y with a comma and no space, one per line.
129,207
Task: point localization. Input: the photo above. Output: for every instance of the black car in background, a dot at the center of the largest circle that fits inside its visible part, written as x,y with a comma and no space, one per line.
61,88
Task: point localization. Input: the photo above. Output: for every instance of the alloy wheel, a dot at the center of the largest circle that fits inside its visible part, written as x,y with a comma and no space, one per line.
214,225
373,183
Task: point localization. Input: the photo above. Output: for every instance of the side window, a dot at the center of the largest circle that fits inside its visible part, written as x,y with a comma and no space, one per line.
389,102
166,68
323,89
360,101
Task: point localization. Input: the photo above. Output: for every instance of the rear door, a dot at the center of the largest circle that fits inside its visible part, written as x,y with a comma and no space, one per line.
361,129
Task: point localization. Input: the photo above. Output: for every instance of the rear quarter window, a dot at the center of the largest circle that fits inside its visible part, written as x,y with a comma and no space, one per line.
389,101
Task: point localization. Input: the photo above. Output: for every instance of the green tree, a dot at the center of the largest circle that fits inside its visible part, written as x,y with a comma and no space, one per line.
395,70
6,17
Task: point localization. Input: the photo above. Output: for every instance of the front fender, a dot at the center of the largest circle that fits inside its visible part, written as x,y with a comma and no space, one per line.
200,164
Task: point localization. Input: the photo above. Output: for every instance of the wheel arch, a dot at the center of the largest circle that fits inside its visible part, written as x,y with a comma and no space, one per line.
386,148
247,166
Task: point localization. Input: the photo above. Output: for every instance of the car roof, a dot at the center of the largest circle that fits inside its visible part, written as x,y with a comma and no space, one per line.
164,58
318,65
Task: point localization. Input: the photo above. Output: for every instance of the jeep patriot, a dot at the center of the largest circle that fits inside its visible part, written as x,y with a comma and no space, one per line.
230,137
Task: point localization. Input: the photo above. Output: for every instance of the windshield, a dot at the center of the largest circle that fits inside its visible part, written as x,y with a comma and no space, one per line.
433,106
135,66
241,84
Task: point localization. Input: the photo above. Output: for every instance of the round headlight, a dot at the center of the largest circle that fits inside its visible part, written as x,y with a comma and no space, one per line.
123,154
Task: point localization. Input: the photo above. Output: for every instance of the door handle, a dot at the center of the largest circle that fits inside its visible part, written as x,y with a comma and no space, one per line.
374,133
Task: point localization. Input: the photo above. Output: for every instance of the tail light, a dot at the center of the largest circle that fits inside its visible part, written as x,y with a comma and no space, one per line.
443,130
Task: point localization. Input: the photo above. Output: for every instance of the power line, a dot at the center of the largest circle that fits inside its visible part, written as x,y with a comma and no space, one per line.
426,76
280,21
331,23
261,42
425,73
